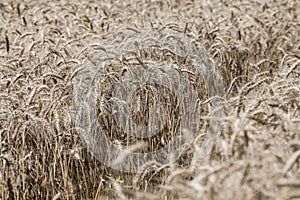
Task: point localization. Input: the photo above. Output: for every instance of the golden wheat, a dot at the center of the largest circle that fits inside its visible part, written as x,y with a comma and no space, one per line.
255,45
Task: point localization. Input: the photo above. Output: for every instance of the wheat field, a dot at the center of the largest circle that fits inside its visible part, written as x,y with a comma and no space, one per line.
255,46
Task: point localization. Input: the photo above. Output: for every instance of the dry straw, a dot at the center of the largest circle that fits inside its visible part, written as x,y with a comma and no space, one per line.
256,47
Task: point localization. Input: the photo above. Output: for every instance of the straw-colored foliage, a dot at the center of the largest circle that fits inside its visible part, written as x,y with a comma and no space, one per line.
256,47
